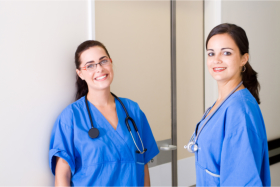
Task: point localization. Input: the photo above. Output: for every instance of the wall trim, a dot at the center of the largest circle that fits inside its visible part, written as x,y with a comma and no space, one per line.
212,18
91,19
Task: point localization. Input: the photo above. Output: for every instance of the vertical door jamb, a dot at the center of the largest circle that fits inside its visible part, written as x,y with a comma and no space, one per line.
91,19
173,92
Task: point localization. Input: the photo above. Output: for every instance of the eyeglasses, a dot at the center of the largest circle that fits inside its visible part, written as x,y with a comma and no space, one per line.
92,66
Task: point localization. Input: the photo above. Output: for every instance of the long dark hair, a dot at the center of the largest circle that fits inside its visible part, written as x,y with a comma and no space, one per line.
249,77
81,85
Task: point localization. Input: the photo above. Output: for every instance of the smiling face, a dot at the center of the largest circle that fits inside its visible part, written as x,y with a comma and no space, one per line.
101,77
224,60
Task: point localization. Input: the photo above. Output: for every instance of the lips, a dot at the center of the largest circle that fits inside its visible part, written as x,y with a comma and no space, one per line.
219,69
100,78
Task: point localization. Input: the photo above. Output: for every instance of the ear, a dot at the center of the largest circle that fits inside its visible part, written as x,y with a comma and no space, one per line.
244,59
80,74
111,60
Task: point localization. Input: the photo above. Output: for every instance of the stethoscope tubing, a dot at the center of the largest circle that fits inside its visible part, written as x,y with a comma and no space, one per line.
88,112
196,138
127,119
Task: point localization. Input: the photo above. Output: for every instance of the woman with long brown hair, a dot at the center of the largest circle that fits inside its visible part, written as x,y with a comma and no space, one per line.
230,142
100,140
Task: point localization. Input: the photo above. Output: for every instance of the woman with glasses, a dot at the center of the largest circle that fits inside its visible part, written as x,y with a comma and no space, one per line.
114,156
230,142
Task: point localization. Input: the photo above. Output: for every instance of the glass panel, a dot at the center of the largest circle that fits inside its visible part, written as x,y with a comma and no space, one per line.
189,46
137,35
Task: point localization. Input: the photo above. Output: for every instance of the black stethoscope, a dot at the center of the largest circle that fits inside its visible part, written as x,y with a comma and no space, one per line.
192,145
94,132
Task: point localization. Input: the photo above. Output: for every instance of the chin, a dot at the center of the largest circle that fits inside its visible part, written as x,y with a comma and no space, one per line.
102,87
218,78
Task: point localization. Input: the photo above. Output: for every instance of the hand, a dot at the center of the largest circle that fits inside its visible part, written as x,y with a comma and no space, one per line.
146,176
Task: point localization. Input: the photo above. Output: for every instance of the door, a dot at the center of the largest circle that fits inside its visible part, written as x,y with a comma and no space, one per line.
137,35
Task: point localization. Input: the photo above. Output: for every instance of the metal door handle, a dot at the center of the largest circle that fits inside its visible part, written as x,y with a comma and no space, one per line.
168,148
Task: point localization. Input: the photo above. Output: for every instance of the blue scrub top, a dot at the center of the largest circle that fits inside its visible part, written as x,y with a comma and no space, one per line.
232,147
108,160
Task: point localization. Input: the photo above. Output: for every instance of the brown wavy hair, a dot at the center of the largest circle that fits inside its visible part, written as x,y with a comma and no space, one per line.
249,77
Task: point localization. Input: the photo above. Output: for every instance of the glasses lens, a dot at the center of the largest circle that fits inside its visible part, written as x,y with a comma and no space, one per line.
104,62
91,67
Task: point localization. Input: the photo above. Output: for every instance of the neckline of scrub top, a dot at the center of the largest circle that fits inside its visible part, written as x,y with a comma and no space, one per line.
104,118
205,116
121,130
209,114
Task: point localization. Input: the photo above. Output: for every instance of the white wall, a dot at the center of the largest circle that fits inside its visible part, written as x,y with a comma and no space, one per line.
37,44
212,17
274,172
161,174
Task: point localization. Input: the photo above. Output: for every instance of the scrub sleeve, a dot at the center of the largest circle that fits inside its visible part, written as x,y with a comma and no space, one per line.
61,144
243,148
148,140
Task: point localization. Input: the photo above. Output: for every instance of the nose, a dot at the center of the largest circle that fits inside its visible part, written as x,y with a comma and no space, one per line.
217,59
99,68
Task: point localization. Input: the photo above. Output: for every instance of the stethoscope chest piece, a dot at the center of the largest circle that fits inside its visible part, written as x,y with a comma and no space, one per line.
93,133
191,147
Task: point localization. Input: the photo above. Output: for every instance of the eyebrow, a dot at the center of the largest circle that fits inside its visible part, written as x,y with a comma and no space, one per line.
93,61
221,49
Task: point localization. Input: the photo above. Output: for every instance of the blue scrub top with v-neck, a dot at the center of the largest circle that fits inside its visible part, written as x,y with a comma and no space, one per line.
232,146
108,160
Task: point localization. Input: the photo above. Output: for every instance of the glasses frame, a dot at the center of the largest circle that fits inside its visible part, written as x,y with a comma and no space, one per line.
84,68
